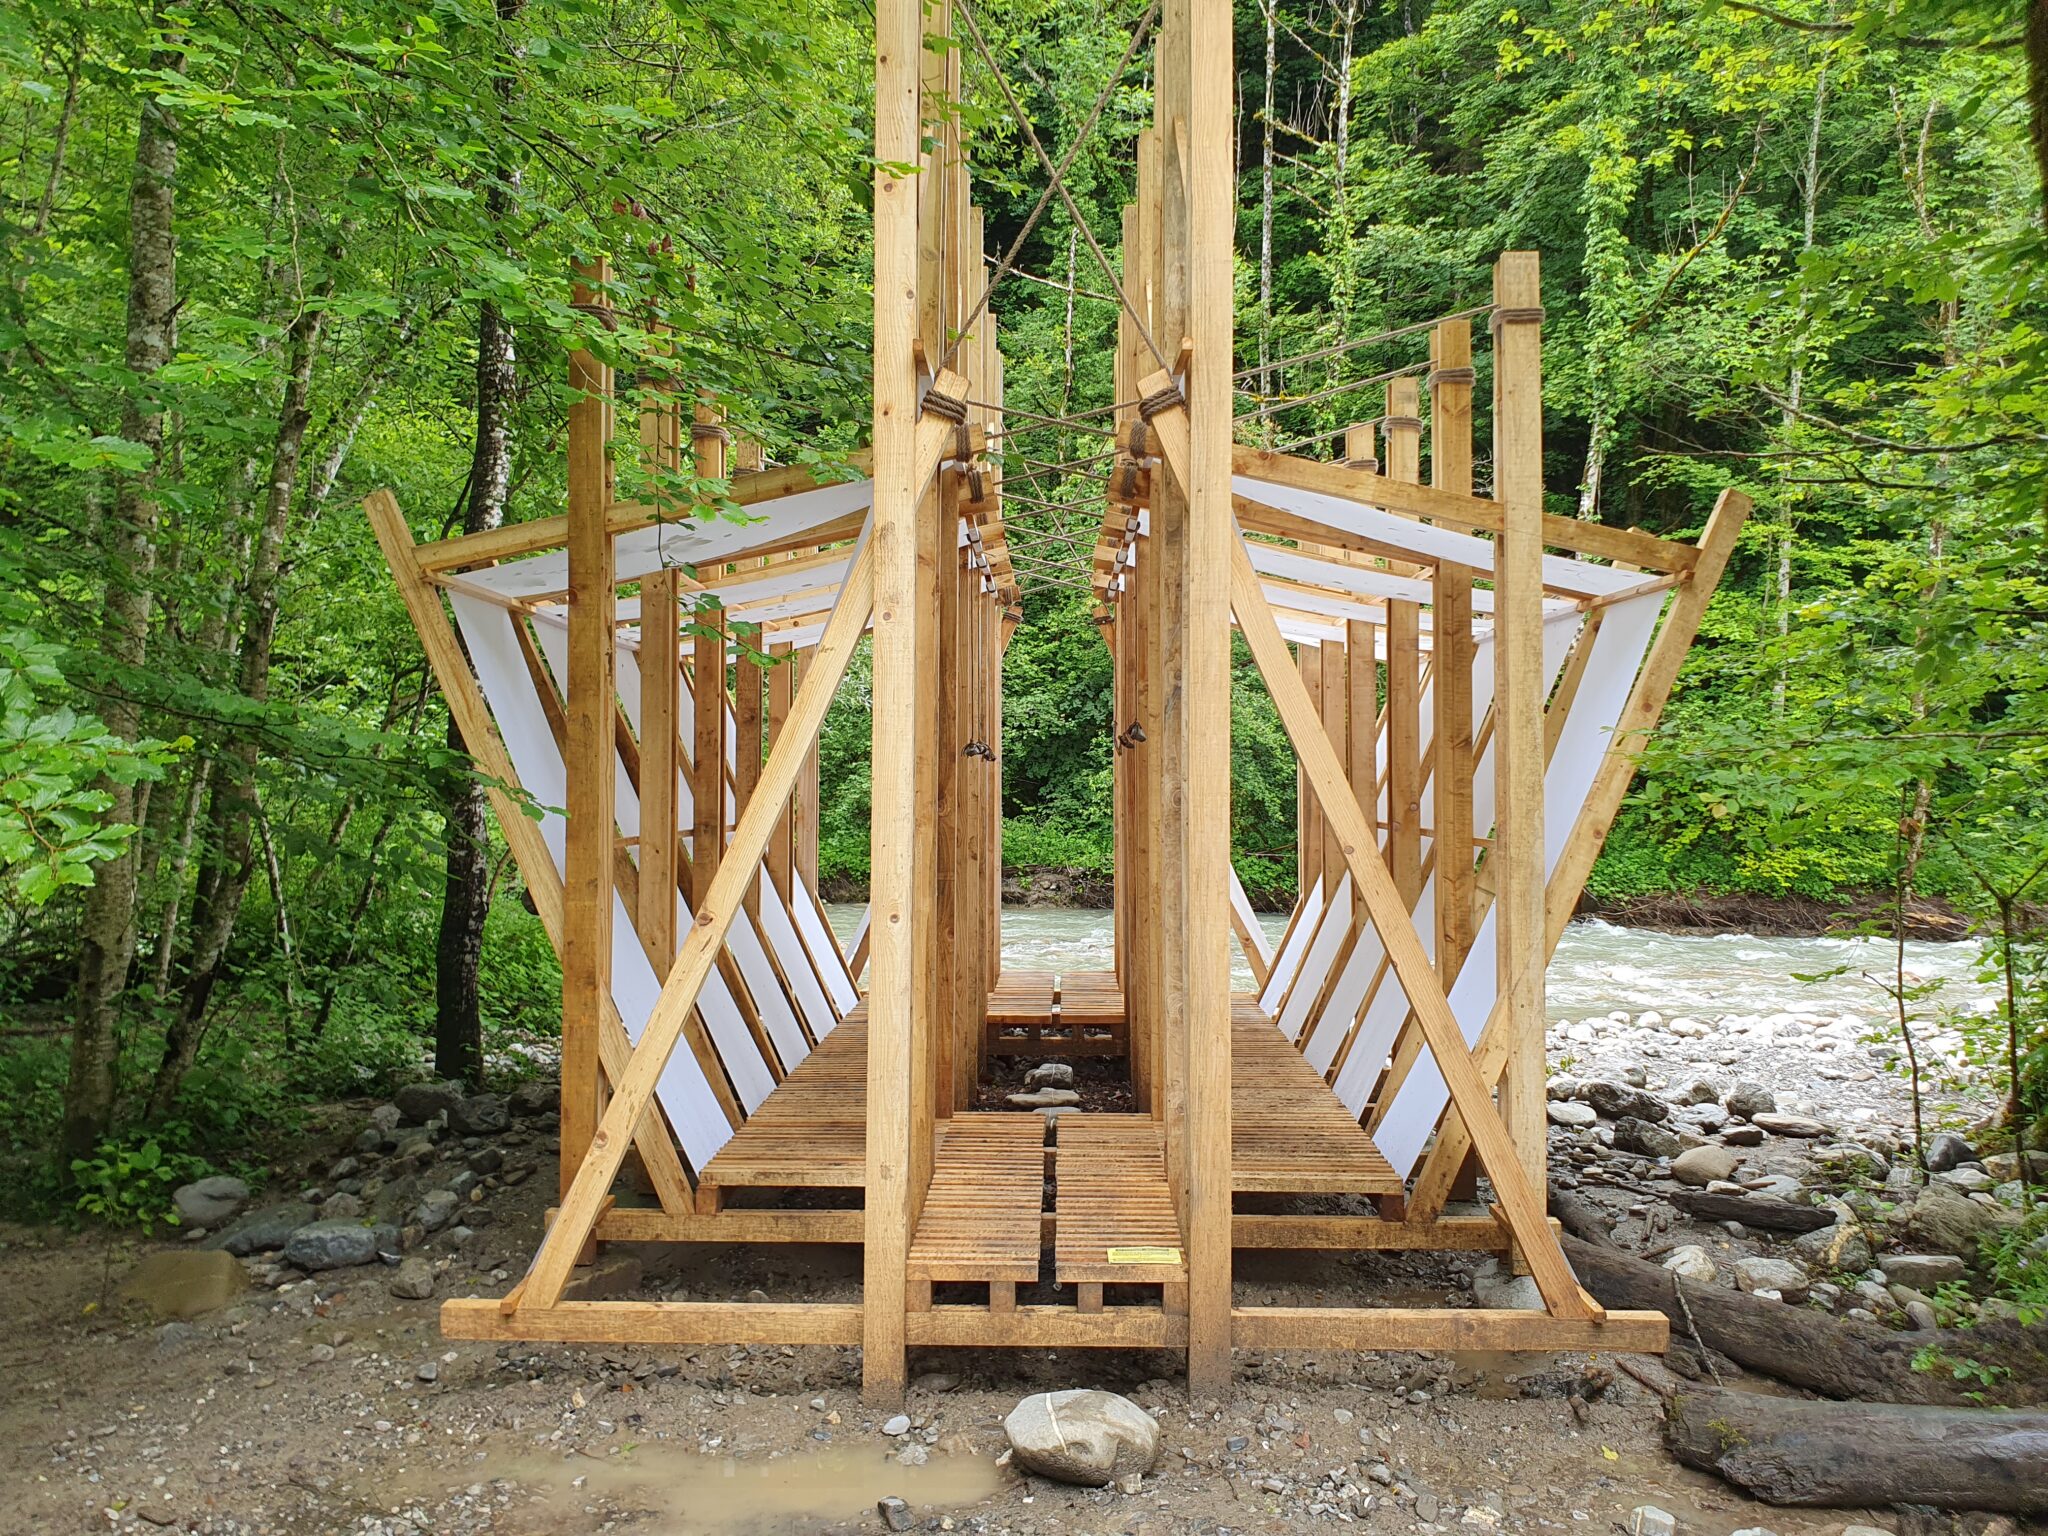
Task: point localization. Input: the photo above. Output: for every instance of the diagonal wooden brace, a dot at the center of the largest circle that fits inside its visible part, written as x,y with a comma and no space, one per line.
1521,1206
634,1090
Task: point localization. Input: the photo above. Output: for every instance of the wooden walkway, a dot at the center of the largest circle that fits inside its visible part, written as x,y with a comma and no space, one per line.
1110,1193
1289,1135
811,1132
981,1216
1035,1013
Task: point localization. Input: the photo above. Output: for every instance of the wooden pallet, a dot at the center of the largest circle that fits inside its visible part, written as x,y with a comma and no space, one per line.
810,1133
981,1215
1289,1135
1110,1191
1022,997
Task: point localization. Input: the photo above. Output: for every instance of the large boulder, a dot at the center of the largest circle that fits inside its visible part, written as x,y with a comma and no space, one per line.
1944,1219
1089,1438
339,1245
1571,1115
1748,1100
1948,1150
1690,1261
420,1102
484,1114
1701,1166
1645,1139
1618,1101
1925,1271
262,1231
1757,1273
210,1202
183,1282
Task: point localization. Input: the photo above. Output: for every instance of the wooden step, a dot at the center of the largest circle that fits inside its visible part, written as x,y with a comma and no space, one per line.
1111,1193
981,1215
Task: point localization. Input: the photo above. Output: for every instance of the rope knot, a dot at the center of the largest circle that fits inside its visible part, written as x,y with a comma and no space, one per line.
1532,315
951,407
1166,399
1438,376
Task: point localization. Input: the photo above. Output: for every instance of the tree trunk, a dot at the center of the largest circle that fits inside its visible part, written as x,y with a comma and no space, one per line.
107,930
230,843
1839,1357
465,892
1859,1455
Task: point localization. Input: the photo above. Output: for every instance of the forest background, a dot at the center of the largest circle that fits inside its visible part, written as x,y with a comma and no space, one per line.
261,258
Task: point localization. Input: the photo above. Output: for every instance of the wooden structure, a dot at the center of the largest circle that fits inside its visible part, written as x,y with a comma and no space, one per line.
1468,680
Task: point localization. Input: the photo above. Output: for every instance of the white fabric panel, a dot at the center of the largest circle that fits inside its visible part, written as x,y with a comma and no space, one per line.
1388,1007
810,921
720,1010
1298,935
688,542
796,965
1425,540
1315,965
1347,995
487,630
1245,915
1610,675
739,590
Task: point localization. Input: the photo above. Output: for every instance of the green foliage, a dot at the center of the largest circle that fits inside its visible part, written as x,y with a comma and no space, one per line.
128,1183
2018,1261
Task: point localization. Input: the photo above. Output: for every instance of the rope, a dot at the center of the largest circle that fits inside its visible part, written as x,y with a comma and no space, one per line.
1401,423
1533,315
603,313
1438,376
1166,399
1057,175
1363,341
1349,386
952,407
1064,423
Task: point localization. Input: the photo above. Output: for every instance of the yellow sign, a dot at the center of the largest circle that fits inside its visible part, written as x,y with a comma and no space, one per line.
1144,1255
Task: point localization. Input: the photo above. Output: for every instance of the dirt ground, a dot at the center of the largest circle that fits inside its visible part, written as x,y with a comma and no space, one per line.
305,1411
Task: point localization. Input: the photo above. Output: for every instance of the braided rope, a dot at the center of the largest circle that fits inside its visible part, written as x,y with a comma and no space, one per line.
1533,315
952,407
1450,376
1166,399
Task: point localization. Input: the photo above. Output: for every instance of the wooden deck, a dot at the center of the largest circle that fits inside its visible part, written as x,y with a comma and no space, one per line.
981,1216
1289,1135
1035,1013
1110,1192
811,1132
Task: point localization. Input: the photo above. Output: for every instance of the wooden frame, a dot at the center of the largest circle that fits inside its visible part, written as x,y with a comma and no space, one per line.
1469,683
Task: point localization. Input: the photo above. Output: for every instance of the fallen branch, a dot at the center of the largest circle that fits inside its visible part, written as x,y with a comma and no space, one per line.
1855,1455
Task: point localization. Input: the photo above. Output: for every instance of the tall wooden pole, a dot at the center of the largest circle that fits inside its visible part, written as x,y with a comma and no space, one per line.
1518,757
898,909
591,767
1450,469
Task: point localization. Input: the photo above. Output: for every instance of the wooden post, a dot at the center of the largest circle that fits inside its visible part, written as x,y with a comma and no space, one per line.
1516,861
660,725
1403,434
707,763
781,691
1308,851
1203,657
591,773
898,908
1450,469
750,734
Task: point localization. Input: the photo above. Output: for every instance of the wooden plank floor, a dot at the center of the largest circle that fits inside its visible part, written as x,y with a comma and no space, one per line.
981,1216
811,1132
1022,997
1091,997
1289,1134
1110,1191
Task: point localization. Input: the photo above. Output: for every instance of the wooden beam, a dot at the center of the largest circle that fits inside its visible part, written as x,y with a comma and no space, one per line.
1639,717
661,684
654,1323
1515,862
1450,509
470,550
1404,749
1440,1328
590,762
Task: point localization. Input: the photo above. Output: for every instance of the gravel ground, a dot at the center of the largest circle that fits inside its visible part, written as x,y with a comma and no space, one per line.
323,1403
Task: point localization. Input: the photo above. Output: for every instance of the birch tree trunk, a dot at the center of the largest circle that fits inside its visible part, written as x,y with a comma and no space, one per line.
107,930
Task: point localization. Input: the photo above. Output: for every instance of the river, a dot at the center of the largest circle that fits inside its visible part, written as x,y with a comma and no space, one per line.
1598,967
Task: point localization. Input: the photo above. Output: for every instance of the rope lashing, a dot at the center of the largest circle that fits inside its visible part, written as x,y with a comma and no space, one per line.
963,442
706,431
1401,423
1168,398
1141,437
951,407
1370,466
1127,479
1438,376
1532,315
603,313
977,487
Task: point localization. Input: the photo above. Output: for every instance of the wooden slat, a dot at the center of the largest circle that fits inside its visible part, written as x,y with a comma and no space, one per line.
1406,1328
1110,1192
811,1132
980,1219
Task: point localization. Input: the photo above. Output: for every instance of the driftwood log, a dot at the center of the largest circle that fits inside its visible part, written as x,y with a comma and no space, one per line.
1854,1455
1753,1210
1837,1357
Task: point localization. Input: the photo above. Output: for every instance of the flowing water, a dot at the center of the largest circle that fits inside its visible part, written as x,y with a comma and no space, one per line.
1598,967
